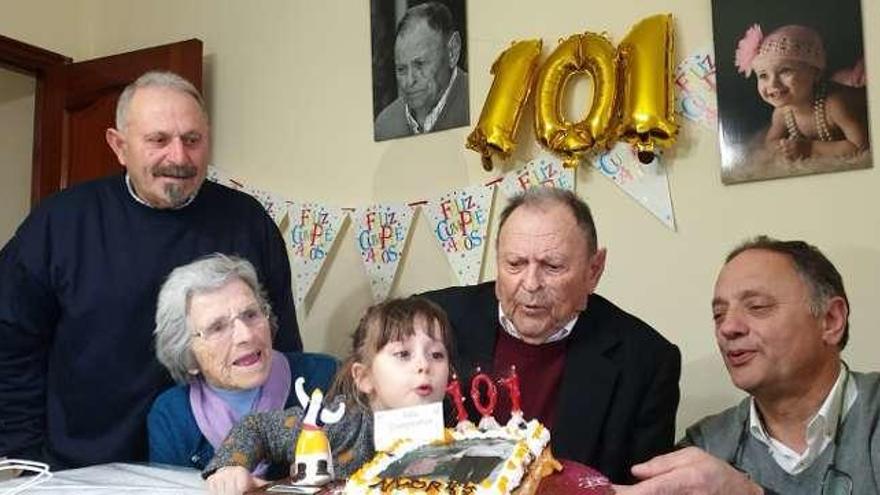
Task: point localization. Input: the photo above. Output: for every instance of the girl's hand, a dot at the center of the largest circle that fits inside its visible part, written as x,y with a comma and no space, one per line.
232,480
794,149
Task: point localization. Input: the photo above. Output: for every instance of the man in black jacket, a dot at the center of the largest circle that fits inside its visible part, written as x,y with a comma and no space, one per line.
603,380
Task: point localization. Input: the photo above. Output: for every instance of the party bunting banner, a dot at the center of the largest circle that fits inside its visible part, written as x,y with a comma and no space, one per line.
274,205
542,171
460,221
695,98
381,234
222,177
646,184
312,230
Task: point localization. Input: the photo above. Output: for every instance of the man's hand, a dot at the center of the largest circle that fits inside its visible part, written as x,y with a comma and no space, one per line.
232,480
689,471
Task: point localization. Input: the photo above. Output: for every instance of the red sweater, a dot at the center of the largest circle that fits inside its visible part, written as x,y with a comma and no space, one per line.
540,372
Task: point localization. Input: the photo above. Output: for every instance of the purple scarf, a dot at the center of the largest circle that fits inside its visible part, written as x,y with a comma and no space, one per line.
215,418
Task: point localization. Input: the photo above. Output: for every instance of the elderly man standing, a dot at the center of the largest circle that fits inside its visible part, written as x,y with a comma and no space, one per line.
432,89
810,425
604,381
78,282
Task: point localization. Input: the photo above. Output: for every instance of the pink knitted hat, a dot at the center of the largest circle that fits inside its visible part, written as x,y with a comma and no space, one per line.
792,42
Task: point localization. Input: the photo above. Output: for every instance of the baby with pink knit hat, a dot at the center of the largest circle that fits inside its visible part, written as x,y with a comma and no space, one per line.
812,116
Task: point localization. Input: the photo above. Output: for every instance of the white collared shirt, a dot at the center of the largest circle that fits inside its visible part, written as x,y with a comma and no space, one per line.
510,328
432,117
141,201
821,428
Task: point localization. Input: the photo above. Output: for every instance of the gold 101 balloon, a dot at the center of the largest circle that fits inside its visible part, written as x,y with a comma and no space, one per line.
632,94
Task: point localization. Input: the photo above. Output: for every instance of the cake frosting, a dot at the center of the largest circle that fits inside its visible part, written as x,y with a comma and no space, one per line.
469,461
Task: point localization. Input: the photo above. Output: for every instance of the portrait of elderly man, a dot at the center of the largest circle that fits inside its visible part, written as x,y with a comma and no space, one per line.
432,85
809,425
214,330
604,381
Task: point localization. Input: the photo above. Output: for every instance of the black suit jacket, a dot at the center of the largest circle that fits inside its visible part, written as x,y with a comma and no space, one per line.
619,393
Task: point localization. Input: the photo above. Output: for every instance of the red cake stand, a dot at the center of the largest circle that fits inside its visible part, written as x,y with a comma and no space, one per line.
575,479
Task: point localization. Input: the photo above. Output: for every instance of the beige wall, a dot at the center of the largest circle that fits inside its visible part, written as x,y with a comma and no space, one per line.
62,27
289,89
16,149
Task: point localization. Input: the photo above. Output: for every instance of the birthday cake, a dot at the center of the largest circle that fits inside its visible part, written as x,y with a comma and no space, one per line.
509,459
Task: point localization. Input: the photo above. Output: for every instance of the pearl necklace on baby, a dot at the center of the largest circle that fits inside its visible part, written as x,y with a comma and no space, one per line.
818,117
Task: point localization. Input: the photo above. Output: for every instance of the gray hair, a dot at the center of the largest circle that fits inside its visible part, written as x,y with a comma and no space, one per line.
814,268
435,14
155,79
172,333
539,196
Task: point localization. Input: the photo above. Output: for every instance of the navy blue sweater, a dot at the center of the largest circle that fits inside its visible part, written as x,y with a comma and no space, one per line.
78,287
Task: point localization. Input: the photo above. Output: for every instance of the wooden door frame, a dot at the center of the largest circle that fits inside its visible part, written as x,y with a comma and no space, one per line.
32,61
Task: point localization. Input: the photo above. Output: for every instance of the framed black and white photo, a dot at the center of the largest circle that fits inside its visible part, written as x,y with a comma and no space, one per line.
420,78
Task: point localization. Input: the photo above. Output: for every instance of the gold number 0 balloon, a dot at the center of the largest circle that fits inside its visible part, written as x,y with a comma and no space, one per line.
582,53
514,71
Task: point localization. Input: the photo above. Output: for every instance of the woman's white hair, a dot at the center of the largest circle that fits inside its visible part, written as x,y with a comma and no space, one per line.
173,337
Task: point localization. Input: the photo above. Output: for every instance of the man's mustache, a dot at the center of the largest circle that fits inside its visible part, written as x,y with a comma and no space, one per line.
533,299
178,171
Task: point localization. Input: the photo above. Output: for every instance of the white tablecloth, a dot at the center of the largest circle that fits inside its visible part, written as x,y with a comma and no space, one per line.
117,478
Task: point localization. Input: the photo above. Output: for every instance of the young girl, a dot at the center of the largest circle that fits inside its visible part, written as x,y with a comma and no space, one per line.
399,358
812,116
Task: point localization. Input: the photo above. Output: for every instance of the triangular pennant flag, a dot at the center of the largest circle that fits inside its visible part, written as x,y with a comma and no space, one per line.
312,231
222,177
460,221
542,171
381,234
647,184
695,95
274,205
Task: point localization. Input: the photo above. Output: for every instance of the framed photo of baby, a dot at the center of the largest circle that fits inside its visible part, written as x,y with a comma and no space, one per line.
791,82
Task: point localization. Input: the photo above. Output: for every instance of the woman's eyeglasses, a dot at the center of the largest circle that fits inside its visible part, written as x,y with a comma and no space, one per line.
221,328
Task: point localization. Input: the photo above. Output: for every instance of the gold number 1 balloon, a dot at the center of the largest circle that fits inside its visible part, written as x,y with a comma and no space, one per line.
647,111
582,53
514,71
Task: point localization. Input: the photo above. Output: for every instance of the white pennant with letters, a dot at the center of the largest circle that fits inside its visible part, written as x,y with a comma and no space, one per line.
460,221
312,230
381,232
274,205
647,184
542,171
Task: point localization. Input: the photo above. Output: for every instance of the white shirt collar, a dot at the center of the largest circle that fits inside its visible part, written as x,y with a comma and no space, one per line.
510,328
148,205
432,117
821,428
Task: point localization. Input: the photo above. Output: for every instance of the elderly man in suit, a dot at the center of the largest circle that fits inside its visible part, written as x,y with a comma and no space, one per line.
603,380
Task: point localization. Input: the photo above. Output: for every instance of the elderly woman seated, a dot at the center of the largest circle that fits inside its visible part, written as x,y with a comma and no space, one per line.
214,330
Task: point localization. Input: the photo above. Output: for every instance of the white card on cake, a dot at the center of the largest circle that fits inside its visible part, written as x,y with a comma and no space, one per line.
422,424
